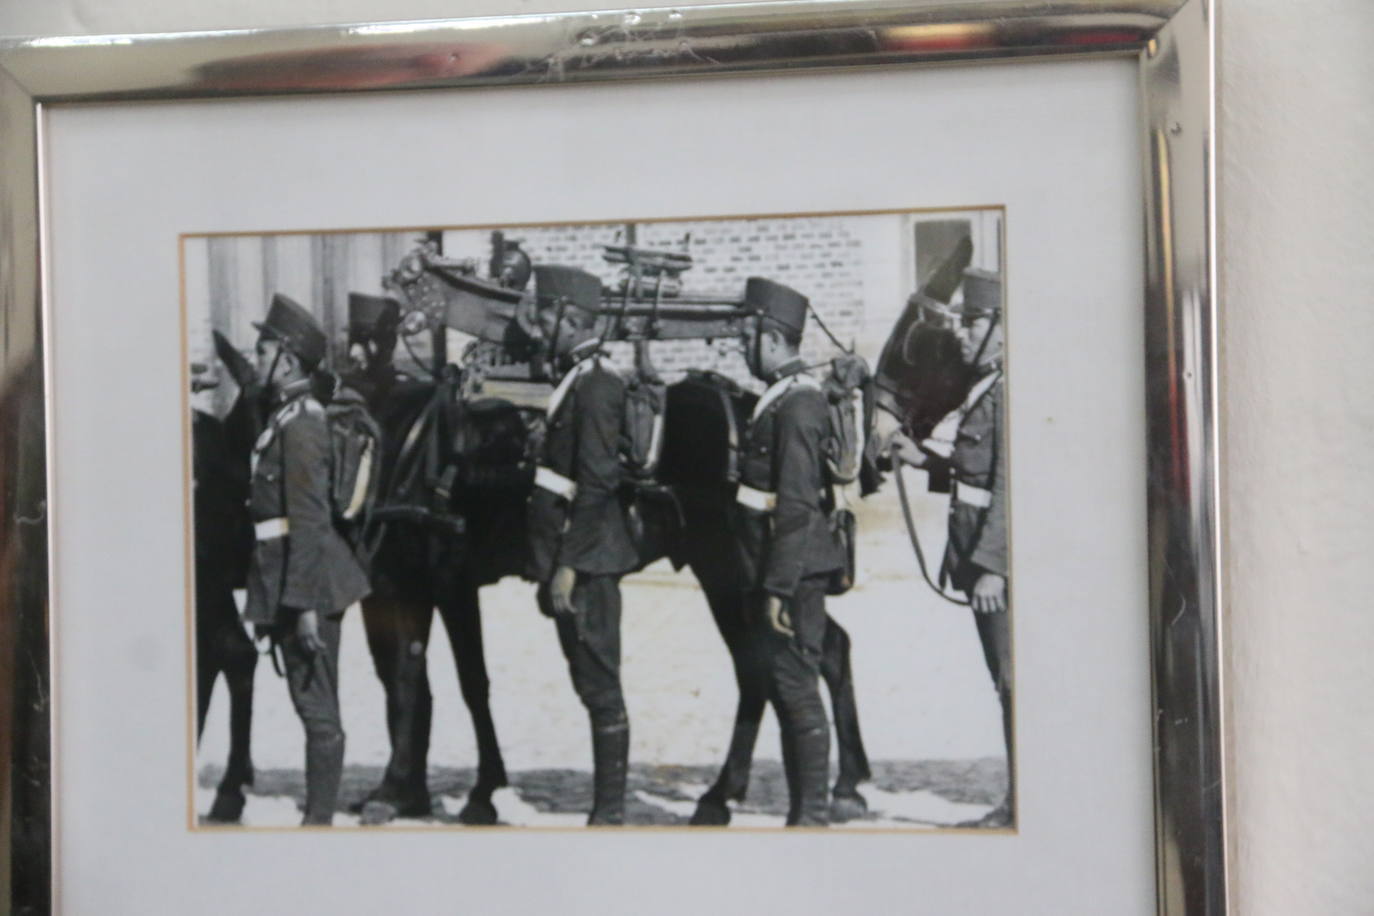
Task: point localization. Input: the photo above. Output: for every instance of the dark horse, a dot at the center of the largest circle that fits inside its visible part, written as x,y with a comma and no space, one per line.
220,451
704,425
450,519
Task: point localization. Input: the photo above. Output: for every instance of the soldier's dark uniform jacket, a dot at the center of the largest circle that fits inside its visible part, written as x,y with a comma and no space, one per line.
782,504
576,514
300,561
978,508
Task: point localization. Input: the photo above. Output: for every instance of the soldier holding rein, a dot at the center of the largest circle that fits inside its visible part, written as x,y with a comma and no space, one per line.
580,542
787,546
970,442
303,575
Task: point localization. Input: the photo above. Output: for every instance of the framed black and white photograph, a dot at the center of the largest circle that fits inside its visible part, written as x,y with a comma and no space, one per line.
448,341
585,484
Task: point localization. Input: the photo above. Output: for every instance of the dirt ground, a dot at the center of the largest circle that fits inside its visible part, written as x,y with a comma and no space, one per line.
902,794
929,715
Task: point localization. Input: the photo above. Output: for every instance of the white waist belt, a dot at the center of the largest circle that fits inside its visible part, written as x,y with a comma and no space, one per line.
758,500
554,482
973,496
271,528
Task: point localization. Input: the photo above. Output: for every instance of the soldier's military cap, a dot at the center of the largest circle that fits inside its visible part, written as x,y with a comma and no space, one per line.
982,293
370,315
776,302
289,322
577,288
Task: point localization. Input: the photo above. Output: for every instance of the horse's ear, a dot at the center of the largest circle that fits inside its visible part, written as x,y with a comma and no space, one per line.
947,276
240,369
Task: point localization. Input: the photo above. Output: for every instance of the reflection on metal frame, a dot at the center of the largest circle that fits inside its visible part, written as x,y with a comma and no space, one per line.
1174,41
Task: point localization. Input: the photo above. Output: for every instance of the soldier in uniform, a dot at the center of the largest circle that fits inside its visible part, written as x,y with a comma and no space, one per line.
970,443
580,542
397,615
303,575
788,548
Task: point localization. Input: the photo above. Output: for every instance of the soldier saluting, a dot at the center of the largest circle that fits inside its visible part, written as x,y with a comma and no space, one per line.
970,442
303,575
787,545
580,542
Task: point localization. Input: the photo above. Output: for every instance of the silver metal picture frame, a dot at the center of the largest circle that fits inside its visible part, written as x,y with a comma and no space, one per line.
1174,44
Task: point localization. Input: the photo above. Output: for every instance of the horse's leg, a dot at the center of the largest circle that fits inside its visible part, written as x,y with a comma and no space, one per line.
727,607
398,635
462,615
239,667
231,651
207,669
846,802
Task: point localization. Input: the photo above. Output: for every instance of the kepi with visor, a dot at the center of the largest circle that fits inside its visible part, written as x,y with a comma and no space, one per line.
982,299
982,294
370,317
775,302
292,324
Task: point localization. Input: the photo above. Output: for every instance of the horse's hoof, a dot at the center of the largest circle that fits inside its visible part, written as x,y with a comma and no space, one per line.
848,806
478,812
376,812
710,813
227,808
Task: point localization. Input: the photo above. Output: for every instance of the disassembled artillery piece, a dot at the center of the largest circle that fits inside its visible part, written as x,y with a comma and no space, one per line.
506,362
648,303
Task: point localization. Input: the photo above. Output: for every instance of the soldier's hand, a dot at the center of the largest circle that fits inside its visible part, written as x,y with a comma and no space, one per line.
778,618
990,594
308,631
904,450
561,589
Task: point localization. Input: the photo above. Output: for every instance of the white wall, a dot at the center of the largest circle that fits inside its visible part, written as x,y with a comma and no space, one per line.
1297,193
1297,244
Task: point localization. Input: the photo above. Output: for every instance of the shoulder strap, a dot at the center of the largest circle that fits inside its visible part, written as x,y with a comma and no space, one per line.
779,390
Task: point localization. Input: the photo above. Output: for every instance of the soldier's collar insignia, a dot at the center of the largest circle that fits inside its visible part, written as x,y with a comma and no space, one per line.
291,391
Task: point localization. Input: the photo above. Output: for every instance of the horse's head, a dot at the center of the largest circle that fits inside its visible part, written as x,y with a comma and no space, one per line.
921,375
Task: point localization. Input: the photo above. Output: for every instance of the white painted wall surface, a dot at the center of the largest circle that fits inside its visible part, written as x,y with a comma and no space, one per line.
1297,265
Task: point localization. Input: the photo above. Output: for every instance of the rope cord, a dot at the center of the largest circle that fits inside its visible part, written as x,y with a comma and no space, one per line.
821,324
915,541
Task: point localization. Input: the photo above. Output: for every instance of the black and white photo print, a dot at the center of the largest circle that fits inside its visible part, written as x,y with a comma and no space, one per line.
652,523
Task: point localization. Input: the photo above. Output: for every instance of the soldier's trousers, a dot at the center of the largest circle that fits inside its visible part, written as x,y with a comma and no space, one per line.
591,643
313,680
994,632
794,666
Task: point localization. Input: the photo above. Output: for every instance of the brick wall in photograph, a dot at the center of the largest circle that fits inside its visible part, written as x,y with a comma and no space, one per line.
232,278
818,256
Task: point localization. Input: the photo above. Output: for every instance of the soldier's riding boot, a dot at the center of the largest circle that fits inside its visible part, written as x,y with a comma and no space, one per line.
1006,811
611,758
324,756
812,752
789,771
